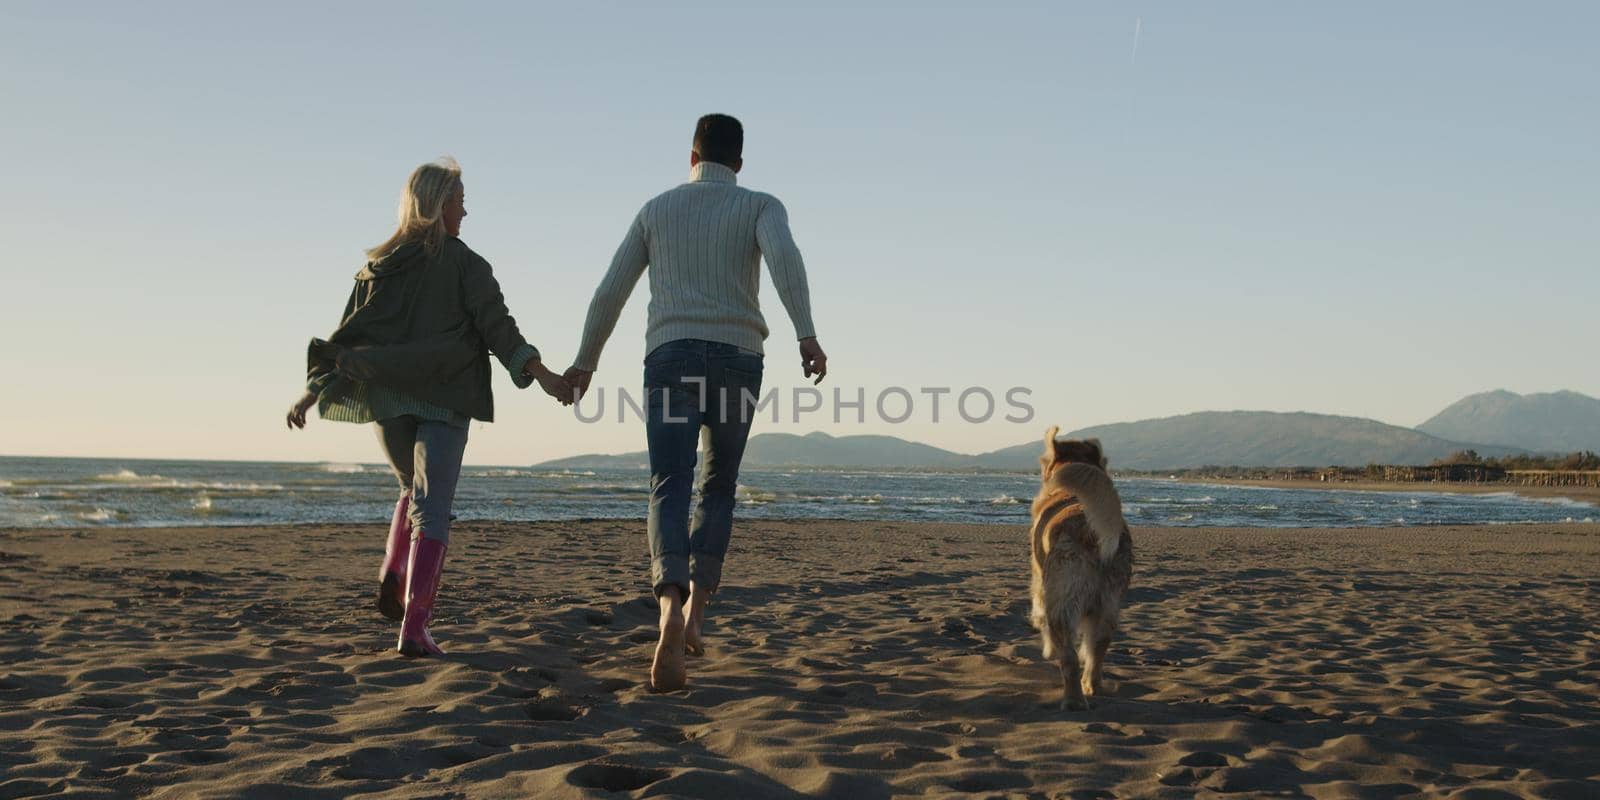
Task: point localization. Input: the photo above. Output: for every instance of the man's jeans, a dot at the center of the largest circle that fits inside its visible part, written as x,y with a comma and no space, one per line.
695,389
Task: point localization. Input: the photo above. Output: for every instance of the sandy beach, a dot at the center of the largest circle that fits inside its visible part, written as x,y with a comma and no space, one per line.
847,660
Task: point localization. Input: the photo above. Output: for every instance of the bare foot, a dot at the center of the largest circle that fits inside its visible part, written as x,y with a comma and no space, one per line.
667,672
692,643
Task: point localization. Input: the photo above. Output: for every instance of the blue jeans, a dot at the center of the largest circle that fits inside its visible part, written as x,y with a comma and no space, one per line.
426,458
695,389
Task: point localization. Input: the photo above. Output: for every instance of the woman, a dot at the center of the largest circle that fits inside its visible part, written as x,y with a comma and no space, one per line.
411,354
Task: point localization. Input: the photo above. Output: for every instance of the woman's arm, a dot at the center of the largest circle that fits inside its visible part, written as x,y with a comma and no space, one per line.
554,385
481,294
297,412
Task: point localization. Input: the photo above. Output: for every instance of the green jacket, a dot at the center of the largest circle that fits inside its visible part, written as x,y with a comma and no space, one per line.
423,324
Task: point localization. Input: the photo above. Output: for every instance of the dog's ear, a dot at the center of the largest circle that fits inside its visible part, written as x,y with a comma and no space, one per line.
1050,441
1097,454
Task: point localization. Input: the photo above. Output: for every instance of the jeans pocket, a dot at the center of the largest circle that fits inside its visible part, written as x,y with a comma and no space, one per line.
736,378
666,373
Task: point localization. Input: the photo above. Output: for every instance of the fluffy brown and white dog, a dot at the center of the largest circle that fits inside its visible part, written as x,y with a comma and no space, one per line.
1082,561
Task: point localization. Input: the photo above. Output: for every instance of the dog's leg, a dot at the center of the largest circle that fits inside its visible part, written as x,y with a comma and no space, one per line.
1103,633
1090,652
1071,670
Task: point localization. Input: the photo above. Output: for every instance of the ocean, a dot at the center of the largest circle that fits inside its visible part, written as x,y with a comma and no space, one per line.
88,492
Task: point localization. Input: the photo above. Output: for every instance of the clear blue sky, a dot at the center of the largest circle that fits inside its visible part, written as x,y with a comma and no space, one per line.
1356,208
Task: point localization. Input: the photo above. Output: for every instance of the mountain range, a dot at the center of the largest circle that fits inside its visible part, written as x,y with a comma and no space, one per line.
1558,422
1493,423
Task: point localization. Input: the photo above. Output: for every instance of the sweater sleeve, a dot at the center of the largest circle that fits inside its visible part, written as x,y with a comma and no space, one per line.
319,369
787,269
631,258
487,306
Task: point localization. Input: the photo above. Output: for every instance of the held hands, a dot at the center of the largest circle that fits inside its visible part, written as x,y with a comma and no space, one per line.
554,385
813,360
579,380
297,412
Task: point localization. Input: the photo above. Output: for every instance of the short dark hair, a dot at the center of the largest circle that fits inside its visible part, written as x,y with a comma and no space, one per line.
719,138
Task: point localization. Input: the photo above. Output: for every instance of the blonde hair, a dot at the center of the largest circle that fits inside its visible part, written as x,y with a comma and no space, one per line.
422,207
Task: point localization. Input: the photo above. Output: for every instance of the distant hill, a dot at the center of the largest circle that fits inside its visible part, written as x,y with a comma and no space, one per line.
1550,422
1224,438
1252,439
816,449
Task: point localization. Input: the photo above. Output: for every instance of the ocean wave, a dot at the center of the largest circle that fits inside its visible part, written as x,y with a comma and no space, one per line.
1006,500
101,515
501,473
755,496
202,503
1565,502
865,499
156,483
128,475
342,469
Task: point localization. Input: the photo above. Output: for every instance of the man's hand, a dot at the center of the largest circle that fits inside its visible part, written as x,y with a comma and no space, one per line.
552,384
556,386
297,412
813,360
579,380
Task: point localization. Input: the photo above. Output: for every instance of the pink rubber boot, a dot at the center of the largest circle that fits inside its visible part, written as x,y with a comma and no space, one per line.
427,561
396,557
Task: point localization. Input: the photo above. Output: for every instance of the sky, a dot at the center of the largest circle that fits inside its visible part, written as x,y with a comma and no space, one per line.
1370,209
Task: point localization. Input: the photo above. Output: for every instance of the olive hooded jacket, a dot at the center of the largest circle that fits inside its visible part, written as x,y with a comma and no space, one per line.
422,322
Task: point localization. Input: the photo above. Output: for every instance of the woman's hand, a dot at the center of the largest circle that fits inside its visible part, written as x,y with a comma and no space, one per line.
556,386
552,384
297,412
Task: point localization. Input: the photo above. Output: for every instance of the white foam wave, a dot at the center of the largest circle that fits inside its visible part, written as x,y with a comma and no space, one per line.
100,515
755,496
157,483
342,469
128,475
1005,500
1565,502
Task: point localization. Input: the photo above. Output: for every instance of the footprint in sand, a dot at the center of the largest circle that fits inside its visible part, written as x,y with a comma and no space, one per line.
612,777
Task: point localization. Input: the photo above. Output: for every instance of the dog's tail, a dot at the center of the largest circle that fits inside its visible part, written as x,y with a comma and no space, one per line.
1102,507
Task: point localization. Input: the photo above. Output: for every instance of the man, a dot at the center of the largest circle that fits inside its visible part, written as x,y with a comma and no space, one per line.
703,242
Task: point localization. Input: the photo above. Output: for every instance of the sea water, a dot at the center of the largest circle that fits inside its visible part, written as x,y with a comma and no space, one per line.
82,493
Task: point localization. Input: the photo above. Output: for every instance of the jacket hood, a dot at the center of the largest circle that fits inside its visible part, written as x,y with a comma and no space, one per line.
398,259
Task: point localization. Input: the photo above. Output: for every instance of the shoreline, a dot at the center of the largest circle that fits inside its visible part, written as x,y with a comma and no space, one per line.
1579,494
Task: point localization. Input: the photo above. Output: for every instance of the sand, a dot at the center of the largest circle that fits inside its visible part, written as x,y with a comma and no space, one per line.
849,660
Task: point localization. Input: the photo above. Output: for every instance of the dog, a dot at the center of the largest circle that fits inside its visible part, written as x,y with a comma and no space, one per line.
1082,562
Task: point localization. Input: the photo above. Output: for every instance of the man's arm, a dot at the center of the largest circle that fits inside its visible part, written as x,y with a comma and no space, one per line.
784,263
632,256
